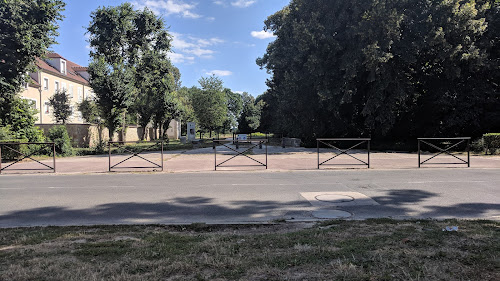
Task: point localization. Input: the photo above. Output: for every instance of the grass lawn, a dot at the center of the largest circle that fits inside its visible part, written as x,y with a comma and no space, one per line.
336,250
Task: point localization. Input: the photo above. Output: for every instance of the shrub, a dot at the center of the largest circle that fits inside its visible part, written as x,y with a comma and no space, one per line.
6,133
10,154
491,142
59,135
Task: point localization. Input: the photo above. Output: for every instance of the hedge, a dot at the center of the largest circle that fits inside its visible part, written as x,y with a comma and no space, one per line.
491,142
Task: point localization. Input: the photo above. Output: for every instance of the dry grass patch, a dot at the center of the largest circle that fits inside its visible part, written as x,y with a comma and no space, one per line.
335,250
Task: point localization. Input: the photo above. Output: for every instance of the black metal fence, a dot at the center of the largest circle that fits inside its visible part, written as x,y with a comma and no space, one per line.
450,144
10,147
251,143
129,151
345,151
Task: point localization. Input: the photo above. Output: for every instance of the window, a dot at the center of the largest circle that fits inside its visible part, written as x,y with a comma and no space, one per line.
46,107
64,86
56,85
70,93
80,95
45,83
63,67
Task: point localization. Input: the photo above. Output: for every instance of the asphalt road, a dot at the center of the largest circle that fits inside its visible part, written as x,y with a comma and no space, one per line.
236,197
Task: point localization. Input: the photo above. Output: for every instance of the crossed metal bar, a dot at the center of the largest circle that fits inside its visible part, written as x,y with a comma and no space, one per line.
121,144
254,142
7,145
344,151
445,150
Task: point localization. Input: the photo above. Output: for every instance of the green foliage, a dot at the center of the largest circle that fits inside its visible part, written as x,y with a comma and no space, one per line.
249,119
27,29
113,87
130,65
386,68
234,108
491,142
22,118
59,135
209,103
6,133
61,108
89,110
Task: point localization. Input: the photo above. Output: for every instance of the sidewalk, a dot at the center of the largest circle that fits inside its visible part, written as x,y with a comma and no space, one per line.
278,159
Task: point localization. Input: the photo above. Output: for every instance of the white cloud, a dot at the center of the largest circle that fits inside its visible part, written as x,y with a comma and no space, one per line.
181,58
243,3
220,73
191,47
168,7
239,92
262,34
219,2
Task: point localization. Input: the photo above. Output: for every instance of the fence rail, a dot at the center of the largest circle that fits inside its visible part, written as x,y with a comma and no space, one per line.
428,141
360,141
9,146
253,143
121,144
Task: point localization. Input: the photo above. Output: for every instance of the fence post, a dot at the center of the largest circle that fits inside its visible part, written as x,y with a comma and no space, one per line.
0,158
266,155
468,153
369,154
109,158
317,145
162,155
419,153
54,155
215,154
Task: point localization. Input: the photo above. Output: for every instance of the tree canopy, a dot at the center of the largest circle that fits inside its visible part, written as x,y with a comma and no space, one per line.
130,66
27,29
61,108
384,68
210,103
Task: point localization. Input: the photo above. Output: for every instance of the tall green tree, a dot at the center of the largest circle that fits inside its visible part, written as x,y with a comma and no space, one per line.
61,107
210,104
27,29
234,107
249,119
134,42
382,67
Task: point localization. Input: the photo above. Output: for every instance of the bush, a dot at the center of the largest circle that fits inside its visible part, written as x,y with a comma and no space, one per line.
491,142
59,135
6,133
9,154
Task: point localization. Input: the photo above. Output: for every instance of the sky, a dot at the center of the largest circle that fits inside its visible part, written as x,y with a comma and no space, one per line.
221,37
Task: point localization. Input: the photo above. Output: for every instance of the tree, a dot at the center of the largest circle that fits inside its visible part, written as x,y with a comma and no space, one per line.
113,87
129,41
27,29
249,119
391,68
234,107
61,108
210,104
89,111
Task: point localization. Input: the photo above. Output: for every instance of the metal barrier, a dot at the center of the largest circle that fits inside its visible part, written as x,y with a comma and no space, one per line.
8,145
121,144
445,150
253,144
344,151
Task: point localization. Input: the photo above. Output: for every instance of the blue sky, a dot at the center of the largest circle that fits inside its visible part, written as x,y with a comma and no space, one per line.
223,37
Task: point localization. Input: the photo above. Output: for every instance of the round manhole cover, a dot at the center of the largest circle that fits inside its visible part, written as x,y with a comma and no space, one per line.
331,214
334,198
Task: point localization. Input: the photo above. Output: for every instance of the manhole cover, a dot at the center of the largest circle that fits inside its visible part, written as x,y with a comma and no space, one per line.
331,214
334,198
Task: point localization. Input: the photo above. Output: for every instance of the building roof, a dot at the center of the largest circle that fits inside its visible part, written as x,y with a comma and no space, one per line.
71,69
